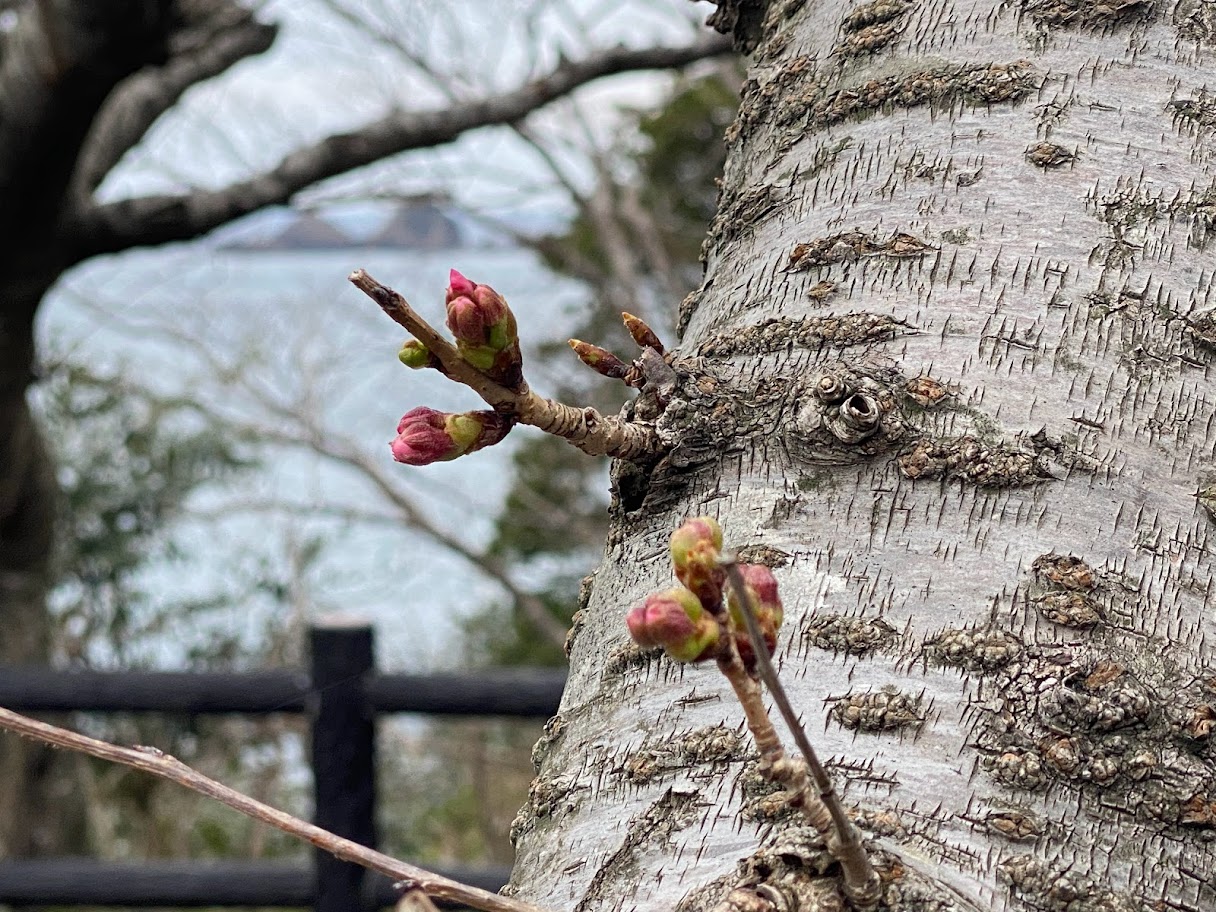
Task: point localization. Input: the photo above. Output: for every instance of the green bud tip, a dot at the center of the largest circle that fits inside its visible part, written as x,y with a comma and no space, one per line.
414,355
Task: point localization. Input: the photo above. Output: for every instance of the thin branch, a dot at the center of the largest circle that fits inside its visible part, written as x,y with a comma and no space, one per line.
573,262
555,168
861,883
775,766
229,508
416,901
138,101
526,604
583,428
612,222
160,219
444,84
151,760
530,606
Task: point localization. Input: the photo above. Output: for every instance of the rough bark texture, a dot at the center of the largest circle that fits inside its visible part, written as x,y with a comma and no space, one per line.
949,374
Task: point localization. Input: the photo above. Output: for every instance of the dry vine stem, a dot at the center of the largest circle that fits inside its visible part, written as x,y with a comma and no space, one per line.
153,761
827,815
585,428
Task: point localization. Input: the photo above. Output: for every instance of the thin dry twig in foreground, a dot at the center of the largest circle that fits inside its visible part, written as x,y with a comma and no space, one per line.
158,763
861,881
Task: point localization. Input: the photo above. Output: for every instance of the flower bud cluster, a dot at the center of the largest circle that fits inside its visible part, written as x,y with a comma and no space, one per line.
487,339
761,587
675,620
425,435
690,621
485,330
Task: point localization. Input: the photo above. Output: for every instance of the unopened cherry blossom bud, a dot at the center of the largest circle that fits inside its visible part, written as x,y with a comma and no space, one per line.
422,437
675,620
761,587
695,549
479,323
485,330
425,435
458,285
415,355
599,359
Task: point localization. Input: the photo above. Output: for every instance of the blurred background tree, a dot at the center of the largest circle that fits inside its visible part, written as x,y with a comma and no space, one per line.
130,464
169,437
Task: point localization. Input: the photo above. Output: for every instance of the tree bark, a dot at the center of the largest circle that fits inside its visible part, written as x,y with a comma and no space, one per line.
948,374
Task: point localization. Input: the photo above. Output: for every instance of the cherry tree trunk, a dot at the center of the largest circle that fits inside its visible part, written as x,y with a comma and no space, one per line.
949,375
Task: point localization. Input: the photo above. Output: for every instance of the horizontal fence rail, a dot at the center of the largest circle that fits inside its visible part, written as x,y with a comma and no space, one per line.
193,884
342,695
518,692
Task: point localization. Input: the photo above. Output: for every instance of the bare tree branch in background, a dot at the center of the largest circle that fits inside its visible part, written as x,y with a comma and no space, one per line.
160,219
626,230
209,46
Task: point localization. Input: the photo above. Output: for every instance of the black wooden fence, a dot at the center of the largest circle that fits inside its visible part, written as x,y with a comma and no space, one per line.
341,695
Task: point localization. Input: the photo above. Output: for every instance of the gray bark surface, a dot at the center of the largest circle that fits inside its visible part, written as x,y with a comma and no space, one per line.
991,224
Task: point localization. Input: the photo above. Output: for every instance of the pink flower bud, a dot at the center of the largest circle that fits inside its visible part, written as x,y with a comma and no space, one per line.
485,330
695,549
425,435
469,322
760,580
676,621
747,654
474,316
422,438
761,585
458,285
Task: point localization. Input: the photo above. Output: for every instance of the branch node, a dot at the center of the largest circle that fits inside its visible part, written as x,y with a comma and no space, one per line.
505,391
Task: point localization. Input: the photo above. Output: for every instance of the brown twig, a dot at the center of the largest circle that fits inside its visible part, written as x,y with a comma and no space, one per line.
861,883
584,428
775,766
153,761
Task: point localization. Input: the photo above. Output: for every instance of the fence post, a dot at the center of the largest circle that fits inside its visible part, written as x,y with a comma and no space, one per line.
343,755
